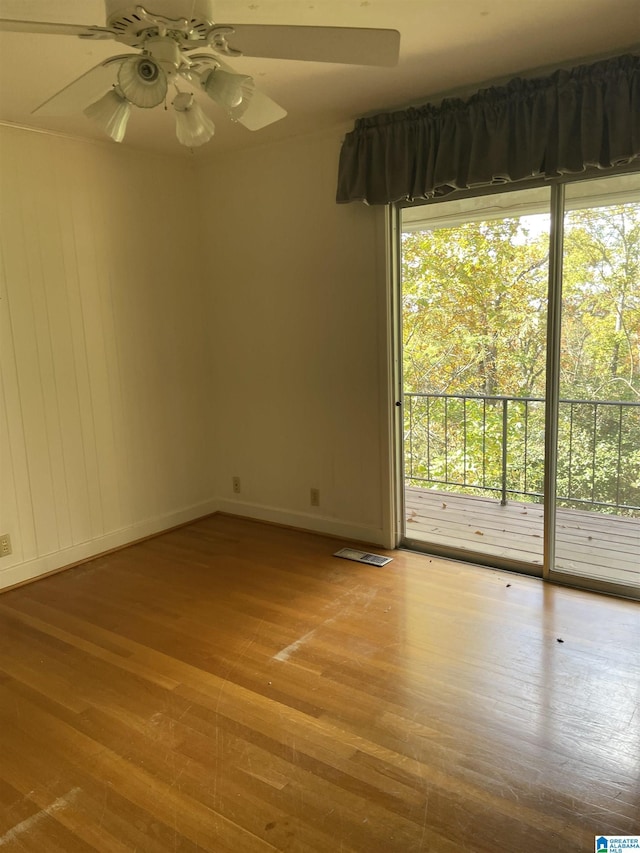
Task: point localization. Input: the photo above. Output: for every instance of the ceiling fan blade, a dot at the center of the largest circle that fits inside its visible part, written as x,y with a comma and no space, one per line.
261,112
346,45
11,26
84,90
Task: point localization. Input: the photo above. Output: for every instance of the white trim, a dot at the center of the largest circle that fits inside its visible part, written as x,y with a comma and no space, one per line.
386,391
67,557
83,551
321,524
393,319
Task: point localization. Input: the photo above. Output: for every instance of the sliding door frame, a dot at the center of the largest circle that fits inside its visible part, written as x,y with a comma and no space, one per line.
394,314
547,570
552,393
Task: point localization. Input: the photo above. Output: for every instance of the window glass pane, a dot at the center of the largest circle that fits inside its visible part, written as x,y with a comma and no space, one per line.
598,485
474,300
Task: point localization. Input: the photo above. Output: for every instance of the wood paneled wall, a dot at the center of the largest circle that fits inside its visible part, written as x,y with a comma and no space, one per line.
104,419
167,323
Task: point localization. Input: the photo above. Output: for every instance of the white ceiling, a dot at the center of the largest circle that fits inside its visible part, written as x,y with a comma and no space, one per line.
446,45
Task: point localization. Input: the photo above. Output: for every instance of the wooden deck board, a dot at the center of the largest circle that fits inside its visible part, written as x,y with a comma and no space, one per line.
590,544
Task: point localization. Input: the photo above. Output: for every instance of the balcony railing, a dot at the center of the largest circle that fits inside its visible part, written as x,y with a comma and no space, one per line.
495,445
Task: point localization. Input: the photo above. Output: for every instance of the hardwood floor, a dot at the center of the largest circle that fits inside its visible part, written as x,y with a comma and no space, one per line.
231,686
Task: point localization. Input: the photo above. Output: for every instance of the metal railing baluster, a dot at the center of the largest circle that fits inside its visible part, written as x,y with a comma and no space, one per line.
505,433
494,477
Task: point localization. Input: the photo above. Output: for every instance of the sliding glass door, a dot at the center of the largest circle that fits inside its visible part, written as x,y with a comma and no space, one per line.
517,372
474,306
597,523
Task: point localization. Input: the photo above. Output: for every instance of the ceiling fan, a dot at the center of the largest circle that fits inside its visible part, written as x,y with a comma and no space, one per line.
181,46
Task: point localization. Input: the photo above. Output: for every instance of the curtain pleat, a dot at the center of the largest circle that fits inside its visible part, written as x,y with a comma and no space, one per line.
569,122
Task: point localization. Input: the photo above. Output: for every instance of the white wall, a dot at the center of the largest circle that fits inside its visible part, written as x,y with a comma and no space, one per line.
104,378
166,324
296,288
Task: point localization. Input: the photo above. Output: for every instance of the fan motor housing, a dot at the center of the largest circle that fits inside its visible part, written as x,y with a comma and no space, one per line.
130,19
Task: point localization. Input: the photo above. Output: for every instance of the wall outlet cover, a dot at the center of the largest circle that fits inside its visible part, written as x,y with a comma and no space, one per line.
5,545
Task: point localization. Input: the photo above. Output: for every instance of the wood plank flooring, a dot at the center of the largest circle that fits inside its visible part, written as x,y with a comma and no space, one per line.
589,544
231,686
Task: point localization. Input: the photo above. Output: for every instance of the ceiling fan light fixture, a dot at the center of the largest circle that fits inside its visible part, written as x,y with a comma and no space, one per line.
193,125
169,36
142,82
231,91
112,113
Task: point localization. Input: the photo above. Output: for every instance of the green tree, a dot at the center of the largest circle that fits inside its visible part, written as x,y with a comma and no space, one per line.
474,305
601,304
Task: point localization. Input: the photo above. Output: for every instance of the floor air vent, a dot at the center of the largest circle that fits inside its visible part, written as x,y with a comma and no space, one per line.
362,557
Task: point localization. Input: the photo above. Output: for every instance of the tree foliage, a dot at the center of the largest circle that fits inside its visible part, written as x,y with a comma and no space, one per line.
474,323
474,309
600,357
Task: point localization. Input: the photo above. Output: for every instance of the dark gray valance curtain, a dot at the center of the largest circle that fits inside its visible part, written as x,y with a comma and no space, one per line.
568,122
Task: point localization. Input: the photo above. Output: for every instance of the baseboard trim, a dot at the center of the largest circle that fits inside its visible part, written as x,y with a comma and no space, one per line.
321,524
75,555
67,558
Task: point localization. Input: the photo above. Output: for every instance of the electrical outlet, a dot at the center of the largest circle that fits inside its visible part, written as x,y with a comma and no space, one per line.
315,497
5,545
236,485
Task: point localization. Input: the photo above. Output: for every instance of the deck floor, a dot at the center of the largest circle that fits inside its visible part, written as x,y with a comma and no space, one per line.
589,544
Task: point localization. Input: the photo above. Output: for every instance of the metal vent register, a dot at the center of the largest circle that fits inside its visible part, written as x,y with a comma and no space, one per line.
362,557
